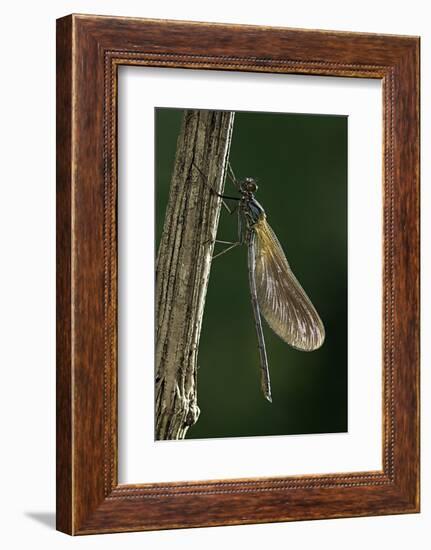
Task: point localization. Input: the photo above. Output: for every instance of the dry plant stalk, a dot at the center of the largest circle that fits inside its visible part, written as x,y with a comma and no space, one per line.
183,265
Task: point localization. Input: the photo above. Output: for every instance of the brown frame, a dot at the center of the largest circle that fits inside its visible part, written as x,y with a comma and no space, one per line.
89,50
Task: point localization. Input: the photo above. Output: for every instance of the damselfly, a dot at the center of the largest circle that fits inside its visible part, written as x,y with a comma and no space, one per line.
275,291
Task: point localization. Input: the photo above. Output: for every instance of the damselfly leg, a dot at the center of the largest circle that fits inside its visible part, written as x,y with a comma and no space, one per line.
232,246
205,182
232,176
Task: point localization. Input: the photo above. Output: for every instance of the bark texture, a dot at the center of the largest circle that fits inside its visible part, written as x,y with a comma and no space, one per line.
183,265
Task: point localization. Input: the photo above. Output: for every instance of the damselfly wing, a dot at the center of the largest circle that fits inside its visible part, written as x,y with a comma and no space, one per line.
282,301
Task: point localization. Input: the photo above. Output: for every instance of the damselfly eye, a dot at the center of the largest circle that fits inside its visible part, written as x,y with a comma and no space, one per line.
250,185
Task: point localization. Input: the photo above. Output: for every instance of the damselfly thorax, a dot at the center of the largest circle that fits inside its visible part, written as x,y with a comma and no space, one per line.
250,212
275,291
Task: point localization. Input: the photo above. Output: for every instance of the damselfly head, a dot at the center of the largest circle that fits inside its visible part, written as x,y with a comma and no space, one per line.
249,185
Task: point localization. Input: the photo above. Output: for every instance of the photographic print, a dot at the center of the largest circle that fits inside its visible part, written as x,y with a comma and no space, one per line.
254,342
265,377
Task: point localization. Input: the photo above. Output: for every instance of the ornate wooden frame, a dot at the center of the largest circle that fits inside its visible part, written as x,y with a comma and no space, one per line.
89,51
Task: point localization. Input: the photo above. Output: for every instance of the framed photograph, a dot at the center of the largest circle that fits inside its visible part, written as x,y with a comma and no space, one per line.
237,274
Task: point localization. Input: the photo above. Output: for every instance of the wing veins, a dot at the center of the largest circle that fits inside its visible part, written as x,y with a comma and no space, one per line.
282,301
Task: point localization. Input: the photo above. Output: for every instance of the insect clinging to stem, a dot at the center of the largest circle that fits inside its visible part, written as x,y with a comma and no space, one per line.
274,289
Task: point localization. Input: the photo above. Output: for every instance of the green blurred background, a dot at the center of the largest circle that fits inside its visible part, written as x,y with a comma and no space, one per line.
300,161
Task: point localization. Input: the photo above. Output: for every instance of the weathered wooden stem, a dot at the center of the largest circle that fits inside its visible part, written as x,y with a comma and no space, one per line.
183,265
